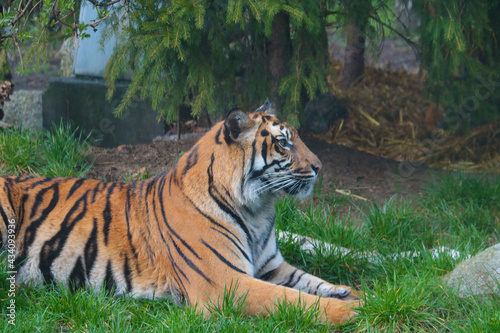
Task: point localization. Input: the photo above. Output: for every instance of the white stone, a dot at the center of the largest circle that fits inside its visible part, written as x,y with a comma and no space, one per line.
67,54
313,246
479,275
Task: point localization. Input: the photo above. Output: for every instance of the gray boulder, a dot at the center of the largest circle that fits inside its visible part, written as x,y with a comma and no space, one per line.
321,112
478,275
24,109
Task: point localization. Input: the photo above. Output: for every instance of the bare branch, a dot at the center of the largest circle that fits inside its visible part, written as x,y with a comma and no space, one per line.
4,37
398,18
75,31
60,20
334,12
19,51
21,14
73,28
104,4
31,11
96,23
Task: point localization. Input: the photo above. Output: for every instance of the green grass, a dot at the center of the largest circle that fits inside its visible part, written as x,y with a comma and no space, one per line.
140,174
406,294
402,293
59,152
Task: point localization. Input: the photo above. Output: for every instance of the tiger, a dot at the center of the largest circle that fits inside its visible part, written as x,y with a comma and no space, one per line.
187,233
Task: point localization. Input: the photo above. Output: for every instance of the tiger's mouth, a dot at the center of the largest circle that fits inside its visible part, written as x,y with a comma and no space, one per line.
301,187
296,185
297,182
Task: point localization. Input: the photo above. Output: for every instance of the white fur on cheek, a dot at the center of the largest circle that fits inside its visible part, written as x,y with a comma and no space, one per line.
259,164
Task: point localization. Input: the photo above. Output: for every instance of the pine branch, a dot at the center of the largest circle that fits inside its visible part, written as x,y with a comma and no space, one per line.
254,9
413,45
129,94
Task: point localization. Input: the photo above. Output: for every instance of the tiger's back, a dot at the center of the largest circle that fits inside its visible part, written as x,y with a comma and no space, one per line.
71,229
186,233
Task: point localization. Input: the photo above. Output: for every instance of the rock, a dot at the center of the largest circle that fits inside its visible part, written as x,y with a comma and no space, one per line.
24,109
320,113
82,101
67,54
3,124
477,276
173,137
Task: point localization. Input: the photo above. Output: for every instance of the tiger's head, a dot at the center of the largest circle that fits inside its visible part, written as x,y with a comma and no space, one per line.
276,159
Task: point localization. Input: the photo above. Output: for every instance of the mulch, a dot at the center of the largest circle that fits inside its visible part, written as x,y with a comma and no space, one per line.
389,116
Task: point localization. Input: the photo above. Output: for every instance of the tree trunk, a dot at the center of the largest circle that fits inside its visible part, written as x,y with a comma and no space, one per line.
354,61
280,53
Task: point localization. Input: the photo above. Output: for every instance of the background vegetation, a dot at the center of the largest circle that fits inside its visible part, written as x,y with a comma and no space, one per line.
403,293
213,55
59,152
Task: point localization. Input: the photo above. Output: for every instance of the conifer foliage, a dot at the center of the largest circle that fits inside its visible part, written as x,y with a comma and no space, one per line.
459,50
215,55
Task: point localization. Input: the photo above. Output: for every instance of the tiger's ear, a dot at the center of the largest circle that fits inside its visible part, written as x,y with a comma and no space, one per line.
237,122
266,108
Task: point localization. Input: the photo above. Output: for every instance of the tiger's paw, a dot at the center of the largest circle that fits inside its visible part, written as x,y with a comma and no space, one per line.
344,312
341,292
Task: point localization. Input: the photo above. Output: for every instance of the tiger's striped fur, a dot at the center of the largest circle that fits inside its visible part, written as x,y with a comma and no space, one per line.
208,222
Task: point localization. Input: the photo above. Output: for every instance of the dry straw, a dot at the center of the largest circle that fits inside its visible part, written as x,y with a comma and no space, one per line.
390,117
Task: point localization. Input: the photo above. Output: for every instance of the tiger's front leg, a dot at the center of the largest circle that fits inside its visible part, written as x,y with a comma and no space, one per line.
261,298
289,276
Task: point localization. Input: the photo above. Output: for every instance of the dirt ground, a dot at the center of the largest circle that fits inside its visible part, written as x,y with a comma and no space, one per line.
351,171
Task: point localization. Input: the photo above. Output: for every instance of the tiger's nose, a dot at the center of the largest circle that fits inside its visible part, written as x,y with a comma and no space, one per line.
316,166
